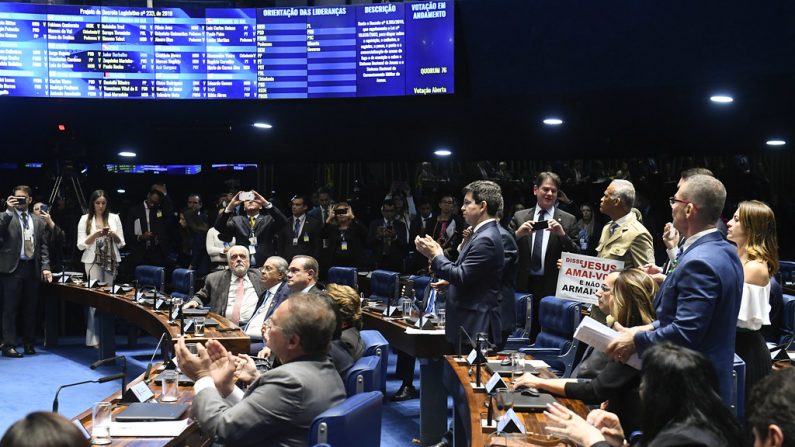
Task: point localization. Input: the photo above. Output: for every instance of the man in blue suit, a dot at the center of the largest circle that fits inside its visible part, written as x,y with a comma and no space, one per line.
475,277
699,300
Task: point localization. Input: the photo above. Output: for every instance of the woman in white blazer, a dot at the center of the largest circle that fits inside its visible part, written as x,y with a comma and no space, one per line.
100,236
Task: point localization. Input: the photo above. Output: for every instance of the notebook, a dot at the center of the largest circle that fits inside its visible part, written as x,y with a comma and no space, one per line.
139,412
529,404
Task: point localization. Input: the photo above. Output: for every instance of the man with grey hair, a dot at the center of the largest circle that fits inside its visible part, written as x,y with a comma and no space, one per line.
624,238
279,406
274,279
699,300
234,293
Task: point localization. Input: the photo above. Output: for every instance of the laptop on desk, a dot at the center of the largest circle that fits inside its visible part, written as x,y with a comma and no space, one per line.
142,412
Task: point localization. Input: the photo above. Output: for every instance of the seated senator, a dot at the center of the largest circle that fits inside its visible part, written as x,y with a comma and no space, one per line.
279,405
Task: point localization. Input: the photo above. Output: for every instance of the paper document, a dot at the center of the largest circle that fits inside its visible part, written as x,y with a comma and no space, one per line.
599,336
415,331
149,429
537,363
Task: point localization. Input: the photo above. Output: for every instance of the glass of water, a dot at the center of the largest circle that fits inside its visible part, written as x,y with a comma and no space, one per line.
440,316
100,423
198,326
517,365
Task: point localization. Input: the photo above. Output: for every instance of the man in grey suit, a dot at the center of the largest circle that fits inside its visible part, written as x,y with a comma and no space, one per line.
540,248
24,261
278,407
235,292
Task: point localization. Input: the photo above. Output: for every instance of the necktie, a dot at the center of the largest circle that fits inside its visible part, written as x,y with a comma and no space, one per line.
535,258
271,305
252,220
28,241
430,308
613,228
238,302
297,227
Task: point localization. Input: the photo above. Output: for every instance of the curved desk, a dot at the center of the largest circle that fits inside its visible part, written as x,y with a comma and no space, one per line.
468,406
154,322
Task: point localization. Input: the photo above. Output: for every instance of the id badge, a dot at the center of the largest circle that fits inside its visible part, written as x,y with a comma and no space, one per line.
252,240
344,245
306,238
159,214
295,241
252,249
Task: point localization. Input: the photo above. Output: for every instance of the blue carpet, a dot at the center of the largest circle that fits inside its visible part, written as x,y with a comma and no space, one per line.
29,384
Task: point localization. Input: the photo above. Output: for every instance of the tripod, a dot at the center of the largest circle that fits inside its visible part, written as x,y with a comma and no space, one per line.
77,189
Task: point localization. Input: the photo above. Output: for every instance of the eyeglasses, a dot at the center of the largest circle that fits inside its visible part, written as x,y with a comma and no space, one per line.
672,200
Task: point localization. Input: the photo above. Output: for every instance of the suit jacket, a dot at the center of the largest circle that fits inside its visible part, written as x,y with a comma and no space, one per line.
389,257
473,296
631,242
161,222
268,223
11,242
555,247
507,300
309,241
352,341
277,409
698,303
216,289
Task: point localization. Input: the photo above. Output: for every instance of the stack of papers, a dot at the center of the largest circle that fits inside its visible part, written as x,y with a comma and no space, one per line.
165,429
599,336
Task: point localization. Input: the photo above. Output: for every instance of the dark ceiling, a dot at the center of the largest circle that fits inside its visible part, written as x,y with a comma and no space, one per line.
628,77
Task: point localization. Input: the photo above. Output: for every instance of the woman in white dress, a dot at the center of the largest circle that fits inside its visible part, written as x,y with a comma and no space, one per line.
100,236
753,230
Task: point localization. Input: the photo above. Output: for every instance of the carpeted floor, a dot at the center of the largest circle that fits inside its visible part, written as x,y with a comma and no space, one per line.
29,384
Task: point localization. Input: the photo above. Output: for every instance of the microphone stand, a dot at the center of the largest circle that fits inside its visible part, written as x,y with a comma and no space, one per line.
101,362
100,380
478,343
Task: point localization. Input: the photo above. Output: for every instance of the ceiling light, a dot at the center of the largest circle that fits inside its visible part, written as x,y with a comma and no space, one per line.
442,152
553,121
128,154
120,191
776,142
721,99
259,125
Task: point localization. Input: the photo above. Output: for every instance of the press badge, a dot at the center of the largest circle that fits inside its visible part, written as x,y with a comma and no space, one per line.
306,238
252,240
159,214
344,245
295,241
252,249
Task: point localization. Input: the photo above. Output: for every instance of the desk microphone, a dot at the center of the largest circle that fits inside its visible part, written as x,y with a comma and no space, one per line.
123,376
104,379
463,331
151,360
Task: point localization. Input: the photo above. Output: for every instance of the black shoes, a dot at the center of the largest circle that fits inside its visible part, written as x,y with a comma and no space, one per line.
10,351
29,350
405,392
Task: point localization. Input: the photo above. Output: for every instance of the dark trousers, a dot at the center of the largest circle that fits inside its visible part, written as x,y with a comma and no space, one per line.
538,287
404,368
20,288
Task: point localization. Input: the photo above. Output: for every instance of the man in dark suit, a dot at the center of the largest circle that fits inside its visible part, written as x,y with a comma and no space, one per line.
387,239
301,235
539,250
302,275
698,302
149,230
254,230
24,262
475,278
235,292
324,201
507,299
279,406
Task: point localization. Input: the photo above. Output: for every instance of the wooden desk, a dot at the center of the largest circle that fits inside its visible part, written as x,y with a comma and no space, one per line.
468,406
152,321
429,349
189,437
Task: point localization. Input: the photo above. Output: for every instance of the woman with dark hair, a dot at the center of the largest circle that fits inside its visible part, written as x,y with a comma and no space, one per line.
99,236
345,238
680,407
589,230
629,297
43,429
753,230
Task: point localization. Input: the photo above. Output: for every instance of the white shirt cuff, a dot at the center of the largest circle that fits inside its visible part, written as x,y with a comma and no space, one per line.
203,384
671,253
269,205
235,396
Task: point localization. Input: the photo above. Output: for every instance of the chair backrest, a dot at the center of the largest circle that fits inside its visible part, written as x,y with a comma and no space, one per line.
151,276
523,302
364,375
788,317
384,285
559,319
345,276
183,281
420,284
356,421
738,394
786,272
375,344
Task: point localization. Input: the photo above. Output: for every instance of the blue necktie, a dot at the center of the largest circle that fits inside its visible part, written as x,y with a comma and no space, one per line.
613,228
431,307
535,258
297,228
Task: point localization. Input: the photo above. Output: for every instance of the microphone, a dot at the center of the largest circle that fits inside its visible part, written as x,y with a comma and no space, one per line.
463,331
151,360
104,379
101,362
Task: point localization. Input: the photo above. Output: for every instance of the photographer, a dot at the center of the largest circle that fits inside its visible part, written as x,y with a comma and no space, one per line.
54,234
24,261
345,238
386,238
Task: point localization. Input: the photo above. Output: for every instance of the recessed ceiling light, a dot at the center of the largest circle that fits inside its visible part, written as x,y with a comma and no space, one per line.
776,142
121,191
260,125
553,121
128,154
442,152
721,99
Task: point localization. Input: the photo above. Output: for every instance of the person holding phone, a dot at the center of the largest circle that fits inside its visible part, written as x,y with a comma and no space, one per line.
24,261
256,229
54,234
345,237
99,236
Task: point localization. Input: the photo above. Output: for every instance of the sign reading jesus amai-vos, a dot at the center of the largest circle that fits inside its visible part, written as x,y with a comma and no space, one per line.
581,276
